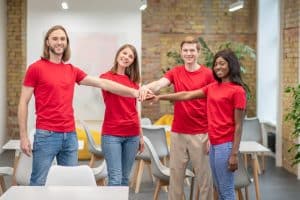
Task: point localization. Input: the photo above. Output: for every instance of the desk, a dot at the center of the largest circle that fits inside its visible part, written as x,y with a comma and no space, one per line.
253,148
65,193
15,145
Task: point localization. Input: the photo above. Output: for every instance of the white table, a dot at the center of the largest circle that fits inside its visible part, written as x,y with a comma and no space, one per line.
15,145
66,193
254,148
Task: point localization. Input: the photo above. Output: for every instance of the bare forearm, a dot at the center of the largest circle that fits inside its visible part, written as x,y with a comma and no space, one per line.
111,86
154,86
236,141
238,117
22,119
181,96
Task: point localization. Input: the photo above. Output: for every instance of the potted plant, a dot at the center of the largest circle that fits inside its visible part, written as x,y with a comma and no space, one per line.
294,117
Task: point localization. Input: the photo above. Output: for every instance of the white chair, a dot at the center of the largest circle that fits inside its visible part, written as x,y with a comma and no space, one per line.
100,173
160,171
23,170
241,179
146,121
157,136
94,149
4,171
70,176
252,131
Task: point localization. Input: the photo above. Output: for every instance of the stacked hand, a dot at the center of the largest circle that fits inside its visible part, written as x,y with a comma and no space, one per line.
145,94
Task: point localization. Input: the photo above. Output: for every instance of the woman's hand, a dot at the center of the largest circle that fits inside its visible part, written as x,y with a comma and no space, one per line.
141,145
145,94
233,162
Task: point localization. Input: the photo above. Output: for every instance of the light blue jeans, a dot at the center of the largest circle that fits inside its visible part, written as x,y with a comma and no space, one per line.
223,178
46,146
119,153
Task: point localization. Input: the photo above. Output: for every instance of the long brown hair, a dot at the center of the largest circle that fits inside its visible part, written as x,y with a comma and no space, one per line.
67,53
133,71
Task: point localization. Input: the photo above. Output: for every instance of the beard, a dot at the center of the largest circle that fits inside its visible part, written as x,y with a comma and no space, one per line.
56,53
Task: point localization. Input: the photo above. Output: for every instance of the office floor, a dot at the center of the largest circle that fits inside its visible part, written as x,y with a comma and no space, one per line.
275,184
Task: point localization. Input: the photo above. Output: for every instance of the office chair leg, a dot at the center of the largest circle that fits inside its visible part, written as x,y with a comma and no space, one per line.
101,182
157,189
216,195
92,161
2,185
246,193
239,194
263,162
139,176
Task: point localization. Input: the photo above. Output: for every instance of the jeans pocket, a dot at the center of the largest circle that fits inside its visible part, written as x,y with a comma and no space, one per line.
42,135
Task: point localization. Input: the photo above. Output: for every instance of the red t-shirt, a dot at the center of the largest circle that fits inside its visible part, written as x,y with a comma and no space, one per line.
190,117
53,90
121,116
222,100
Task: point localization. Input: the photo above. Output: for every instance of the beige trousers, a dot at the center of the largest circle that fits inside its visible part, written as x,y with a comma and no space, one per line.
185,147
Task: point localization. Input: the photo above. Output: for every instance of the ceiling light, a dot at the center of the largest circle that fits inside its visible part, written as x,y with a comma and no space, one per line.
143,5
64,5
236,6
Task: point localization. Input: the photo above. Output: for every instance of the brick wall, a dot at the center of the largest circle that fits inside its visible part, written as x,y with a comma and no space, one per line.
166,23
16,59
290,70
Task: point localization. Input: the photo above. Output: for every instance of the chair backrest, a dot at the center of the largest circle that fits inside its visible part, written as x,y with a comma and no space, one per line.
100,172
91,143
157,136
241,175
23,169
158,169
70,176
146,121
252,130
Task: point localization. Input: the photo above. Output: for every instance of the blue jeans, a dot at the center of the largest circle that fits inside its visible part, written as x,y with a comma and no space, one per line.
46,146
119,153
223,178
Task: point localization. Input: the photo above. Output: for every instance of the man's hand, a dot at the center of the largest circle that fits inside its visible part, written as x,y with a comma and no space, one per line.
26,146
145,93
233,162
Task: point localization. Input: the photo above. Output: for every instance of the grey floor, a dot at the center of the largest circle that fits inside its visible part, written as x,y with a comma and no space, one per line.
275,183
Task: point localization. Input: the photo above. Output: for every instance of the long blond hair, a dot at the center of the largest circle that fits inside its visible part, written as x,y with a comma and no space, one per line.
67,53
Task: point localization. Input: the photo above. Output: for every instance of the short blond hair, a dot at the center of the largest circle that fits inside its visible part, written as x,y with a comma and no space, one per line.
190,40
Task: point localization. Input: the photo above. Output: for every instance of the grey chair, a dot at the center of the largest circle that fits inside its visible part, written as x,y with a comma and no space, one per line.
241,179
100,173
23,170
146,121
252,131
160,171
94,149
70,176
4,171
158,139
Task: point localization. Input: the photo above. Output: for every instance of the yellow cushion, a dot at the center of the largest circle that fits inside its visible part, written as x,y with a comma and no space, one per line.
84,153
166,120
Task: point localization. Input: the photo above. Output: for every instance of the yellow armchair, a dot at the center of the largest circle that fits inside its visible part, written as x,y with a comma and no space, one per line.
84,154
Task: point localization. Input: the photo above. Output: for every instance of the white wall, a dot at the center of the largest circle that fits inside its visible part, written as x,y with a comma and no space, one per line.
3,133
97,28
268,60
